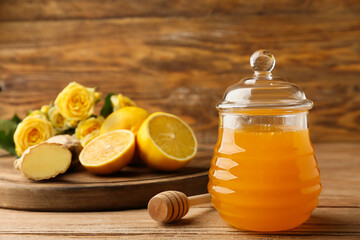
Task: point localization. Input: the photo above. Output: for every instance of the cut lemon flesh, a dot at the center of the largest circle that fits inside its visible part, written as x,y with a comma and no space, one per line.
108,153
166,142
172,136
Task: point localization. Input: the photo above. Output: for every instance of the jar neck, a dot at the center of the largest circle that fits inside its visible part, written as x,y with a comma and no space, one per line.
289,121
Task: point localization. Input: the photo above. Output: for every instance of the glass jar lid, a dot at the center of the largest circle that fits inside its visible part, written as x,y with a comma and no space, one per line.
263,90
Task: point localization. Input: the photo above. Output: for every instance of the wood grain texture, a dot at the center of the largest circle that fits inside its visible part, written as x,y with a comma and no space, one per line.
337,216
18,10
200,223
179,56
79,190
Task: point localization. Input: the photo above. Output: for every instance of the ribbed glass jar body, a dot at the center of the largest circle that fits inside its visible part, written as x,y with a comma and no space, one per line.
264,175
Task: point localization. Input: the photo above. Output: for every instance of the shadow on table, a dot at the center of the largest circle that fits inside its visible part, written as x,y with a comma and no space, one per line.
192,219
328,223
323,222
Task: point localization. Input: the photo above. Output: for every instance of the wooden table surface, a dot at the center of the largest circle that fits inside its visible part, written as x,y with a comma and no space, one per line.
337,216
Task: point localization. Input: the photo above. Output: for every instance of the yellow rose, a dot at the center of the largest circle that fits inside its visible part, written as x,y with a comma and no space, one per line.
57,120
76,102
45,109
89,137
86,127
35,113
31,131
120,101
71,123
97,96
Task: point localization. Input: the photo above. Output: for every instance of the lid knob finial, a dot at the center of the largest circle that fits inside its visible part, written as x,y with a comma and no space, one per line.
262,61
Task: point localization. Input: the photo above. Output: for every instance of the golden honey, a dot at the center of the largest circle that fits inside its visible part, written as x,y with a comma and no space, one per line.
264,178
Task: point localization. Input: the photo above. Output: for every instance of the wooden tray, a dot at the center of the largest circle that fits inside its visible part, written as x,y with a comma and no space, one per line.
80,190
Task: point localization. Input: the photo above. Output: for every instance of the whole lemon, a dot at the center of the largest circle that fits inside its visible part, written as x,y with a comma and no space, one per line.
129,118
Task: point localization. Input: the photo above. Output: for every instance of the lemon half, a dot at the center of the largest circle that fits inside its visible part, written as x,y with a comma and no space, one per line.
165,142
108,153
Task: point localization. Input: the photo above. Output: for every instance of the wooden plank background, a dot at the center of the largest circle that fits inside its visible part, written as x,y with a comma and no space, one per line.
180,55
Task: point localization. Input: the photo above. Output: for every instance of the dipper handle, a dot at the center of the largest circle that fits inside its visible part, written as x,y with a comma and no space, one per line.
170,206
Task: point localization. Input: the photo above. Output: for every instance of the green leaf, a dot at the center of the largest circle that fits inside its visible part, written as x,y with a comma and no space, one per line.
16,119
7,130
107,109
6,144
69,131
7,126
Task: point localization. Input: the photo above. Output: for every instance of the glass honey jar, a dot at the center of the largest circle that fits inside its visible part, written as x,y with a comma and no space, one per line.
264,175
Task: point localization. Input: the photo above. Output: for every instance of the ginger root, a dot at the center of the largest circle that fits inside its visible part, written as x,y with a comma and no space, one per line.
50,158
43,161
71,143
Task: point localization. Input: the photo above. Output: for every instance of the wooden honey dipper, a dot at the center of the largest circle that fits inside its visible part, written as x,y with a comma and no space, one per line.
170,206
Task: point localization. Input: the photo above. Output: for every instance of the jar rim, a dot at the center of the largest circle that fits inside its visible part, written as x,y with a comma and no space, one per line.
306,104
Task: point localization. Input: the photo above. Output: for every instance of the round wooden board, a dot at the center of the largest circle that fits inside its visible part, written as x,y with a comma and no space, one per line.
80,190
